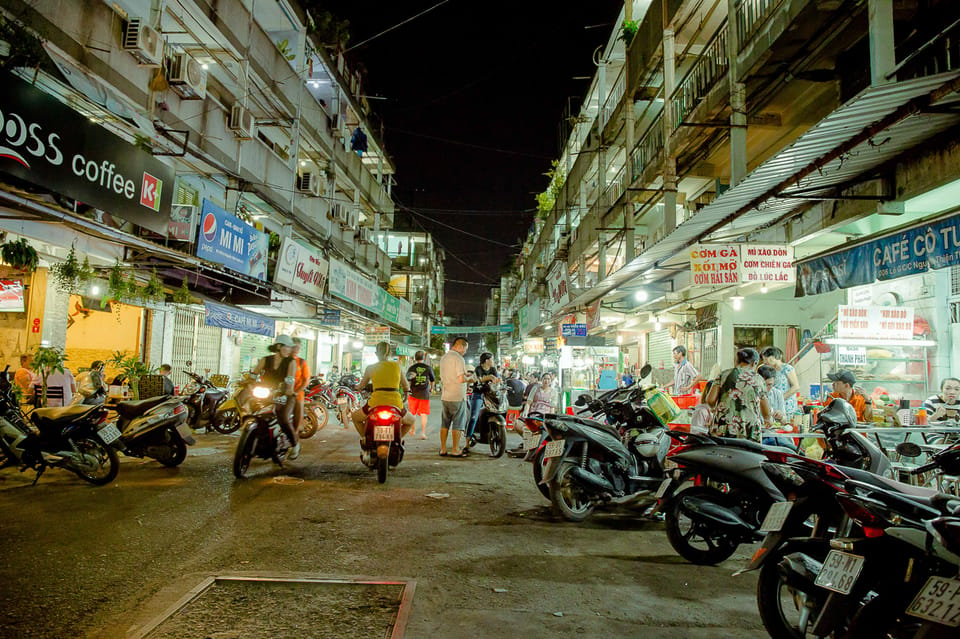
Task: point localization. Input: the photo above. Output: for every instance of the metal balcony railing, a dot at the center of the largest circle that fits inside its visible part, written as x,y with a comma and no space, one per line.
616,186
751,16
935,55
710,68
648,148
619,87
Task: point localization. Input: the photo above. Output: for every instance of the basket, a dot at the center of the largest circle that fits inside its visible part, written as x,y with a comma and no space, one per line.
686,401
663,406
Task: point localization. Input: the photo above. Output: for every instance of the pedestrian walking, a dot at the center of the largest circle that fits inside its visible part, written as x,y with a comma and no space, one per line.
420,376
543,399
684,374
739,399
454,376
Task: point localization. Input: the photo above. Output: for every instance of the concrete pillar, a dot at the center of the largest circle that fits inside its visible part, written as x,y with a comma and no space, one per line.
738,101
602,257
670,165
581,272
882,58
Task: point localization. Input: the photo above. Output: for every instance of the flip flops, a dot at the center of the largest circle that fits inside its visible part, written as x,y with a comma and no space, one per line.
443,454
462,453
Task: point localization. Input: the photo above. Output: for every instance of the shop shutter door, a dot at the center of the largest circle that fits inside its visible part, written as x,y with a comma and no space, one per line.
195,342
708,351
660,355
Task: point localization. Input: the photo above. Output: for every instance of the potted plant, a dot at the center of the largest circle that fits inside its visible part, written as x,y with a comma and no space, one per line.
153,289
627,30
132,369
20,255
182,294
45,361
71,276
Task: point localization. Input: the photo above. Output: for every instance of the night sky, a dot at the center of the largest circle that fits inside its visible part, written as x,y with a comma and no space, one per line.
494,74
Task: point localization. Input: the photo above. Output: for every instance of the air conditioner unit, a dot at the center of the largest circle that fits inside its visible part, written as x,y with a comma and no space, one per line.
333,213
241,122
187,77
343,216
143,42
364,235
310,183
354,219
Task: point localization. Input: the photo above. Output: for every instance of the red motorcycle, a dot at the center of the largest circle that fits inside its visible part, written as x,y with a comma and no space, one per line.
382,446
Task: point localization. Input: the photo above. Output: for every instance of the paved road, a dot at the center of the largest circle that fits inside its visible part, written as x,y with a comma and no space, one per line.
82,561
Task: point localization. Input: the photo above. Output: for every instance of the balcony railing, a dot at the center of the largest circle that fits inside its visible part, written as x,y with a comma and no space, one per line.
936,55
616,186
619,87
751,16
649,147
710,68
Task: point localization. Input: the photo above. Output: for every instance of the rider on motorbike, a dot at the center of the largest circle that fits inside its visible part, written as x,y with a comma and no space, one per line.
387,380
279,371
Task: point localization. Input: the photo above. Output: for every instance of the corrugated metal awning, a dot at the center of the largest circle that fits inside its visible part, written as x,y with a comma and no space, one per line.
873,128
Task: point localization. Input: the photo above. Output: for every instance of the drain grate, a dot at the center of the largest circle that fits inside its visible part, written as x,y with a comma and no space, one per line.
254,608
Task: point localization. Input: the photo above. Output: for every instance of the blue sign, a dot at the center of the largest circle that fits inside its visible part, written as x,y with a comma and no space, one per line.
464,330
330,317
573,330
228,240
238,319
915,250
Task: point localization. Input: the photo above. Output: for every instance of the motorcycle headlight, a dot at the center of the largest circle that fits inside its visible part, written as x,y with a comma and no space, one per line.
261,392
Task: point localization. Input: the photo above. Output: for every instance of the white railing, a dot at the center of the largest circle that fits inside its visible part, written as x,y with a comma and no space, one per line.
710,68
648,148
751,15
616,94
616,186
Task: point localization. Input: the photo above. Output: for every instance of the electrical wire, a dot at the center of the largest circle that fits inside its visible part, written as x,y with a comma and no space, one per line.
399,24
472,146
458,230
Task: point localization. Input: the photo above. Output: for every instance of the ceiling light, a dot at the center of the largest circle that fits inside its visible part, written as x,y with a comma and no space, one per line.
619,339
357,344
737,301
303,162
94,290
763,288
641,296
204,66
656,323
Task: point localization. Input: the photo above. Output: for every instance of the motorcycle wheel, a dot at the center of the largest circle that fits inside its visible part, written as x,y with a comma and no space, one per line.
226,421
498,440
192,415
105,459
382,469
784,610
245,449
312,420
538,463
566,496
177,451
714,545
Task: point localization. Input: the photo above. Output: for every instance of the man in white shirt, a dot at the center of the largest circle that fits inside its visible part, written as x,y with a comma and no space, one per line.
454,377
65,381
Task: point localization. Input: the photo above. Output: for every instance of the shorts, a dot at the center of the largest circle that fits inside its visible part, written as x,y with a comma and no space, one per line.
455,415
419,406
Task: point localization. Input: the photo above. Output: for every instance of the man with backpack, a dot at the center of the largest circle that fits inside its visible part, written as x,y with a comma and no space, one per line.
421,379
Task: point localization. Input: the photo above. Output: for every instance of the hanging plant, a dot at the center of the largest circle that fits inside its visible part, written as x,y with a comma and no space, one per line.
20,255
118,287
628,29
153,290
182,294
72,276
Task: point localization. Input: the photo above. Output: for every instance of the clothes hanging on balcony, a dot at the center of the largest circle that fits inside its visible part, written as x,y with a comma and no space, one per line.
358,141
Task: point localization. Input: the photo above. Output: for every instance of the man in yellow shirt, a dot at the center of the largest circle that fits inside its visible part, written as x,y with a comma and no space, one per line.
388,381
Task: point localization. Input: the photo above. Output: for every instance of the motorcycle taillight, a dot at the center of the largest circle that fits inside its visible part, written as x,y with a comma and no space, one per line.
179,408
872,515
384,415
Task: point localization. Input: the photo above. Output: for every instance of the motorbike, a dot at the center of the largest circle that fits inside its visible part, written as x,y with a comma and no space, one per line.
75,438
315,411
320,392
492,421
718,495
232,410
382,444
154,428
202,399
349,399
261,435
593,463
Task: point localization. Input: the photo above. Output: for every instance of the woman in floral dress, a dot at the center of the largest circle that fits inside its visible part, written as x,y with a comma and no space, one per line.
739,398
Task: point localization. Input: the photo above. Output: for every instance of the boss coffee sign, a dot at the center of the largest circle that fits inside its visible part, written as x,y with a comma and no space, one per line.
46,143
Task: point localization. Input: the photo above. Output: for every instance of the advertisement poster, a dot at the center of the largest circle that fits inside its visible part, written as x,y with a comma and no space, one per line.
573,330
376,334
715,264
11,296
302,268
183,223
228,240
875,322
238,319
769,264
329,316
350,285
559,286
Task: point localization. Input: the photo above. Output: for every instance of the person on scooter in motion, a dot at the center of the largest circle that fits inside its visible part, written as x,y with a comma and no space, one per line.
279,371
388,381
485,373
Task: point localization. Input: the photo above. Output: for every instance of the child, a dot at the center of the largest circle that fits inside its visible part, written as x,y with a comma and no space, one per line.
702,414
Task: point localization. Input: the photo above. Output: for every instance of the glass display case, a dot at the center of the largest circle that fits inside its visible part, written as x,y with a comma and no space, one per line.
897,370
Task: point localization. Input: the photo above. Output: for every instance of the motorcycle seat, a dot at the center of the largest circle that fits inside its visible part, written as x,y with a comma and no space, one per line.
44,418
138,407
916,493
749,444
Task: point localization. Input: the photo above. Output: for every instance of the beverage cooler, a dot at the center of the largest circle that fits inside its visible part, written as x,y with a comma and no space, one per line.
581,368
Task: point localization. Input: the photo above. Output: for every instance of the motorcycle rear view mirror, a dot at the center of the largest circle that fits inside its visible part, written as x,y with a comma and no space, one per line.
908,449
645,371
583,400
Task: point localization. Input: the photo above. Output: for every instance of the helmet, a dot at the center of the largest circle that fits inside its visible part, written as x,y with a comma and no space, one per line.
383,350
838,414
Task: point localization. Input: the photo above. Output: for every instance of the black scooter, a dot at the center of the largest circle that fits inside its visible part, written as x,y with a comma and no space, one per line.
492,421
202,399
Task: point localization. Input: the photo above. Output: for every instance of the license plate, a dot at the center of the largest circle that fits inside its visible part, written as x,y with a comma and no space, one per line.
664,485
554,448
530,440
939,601
840,572
342,401
776,516
383,433
184,431
109,434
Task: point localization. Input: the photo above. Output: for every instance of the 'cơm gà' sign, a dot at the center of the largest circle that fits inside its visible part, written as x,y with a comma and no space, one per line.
48,144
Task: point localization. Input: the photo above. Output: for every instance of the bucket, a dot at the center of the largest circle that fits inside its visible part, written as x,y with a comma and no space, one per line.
663,406
686,401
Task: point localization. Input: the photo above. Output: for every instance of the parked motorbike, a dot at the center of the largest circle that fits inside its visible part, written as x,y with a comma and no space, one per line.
232,410
320,392
492,421
261,435
75,438
202,399
348,399
381,445
315,412
154,428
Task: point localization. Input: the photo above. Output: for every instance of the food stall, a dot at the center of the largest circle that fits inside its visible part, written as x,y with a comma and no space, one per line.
581,368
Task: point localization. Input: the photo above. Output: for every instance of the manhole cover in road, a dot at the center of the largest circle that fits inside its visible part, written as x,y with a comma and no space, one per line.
261,608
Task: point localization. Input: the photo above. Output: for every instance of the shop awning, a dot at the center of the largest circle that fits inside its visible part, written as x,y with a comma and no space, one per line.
881,123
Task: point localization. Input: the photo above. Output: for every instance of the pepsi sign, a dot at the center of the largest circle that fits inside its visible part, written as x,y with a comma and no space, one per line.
228,240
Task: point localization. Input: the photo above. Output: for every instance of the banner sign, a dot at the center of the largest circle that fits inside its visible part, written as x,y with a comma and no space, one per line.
228,240
393,309
533,345
47,143
183,223
770,264
875,322
529,317
238,319
301,268
467,330
914,250
550,345
352,286
559,287
715,264
376,334
329,316
573,330
849,356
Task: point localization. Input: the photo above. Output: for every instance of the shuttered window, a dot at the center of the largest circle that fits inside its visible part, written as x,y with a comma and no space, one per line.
660,355
195,342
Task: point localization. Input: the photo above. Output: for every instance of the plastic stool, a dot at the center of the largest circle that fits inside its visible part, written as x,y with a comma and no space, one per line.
512,417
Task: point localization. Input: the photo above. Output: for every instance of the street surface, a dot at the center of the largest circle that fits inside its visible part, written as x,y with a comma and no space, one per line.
490,560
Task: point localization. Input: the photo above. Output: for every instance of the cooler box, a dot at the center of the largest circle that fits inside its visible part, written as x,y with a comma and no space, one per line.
686,401
663,406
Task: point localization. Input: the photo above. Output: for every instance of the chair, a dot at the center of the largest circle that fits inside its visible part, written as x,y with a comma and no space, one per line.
150,386
220,381
53,392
